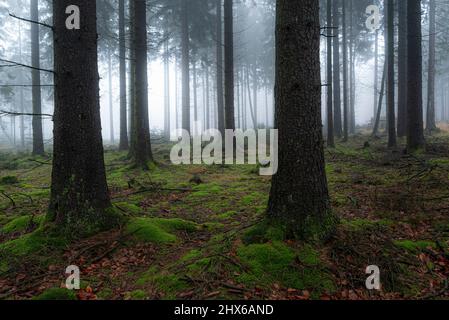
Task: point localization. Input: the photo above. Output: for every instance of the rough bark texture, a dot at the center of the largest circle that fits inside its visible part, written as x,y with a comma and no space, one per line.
431,122
402,68
299,197
330,112
391,76
79,192
345,75
38,140
124,143
142,144
415,131
185,52
336,64
229,64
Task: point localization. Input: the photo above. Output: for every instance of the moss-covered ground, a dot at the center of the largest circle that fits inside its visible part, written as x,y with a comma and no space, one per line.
184,240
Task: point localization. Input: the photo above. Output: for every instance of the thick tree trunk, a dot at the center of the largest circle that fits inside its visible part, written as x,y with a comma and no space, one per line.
330,112
336,65
299,197
229,64
431,123
142,146
415,131
79,193
38,140
124,143
185,52
402,68
391,76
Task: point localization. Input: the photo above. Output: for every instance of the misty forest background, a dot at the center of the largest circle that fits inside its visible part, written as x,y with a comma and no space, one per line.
86,118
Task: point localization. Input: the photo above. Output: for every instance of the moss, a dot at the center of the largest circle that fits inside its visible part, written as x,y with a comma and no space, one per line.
227,215
57,294
32,243
275,262
21,223
158,230
255,197
138,295
8,180
192,254
128,207
361,224
264,232
105,294
414,246
167,283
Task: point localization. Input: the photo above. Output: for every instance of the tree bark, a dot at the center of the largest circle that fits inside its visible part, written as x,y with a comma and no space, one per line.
299,197
345,75
185,52
219,62
431,123
124,143
330,112
38,139
111,102
391,76
336,65
229,64
79,193
415,131
402,68
142,144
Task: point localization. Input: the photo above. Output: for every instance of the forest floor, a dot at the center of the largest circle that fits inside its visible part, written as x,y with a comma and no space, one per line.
184,240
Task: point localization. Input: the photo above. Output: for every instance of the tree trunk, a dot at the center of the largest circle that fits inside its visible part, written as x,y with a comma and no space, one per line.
22,104
402,68
330,112
390,78
111,102
124,144
380,101
255,88
38,140
415,131
299,197
195,99
142,145
79,193
376,73
219,85
351,71
229,64
336,65
345,75
431,123
185,49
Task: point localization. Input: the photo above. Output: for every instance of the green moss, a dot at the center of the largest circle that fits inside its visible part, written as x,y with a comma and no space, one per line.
275,262
8,180
105,294
158,230
227,215
128,207
21,223
58,294
31,243
264,232
414,246
192,254
361,224
168,284
138,295
255,197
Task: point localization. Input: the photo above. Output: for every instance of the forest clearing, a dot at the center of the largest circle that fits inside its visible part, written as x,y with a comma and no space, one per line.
194,232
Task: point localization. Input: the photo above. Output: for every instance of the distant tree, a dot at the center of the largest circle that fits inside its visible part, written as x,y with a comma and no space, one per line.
79,193
345,73
299,197
402,68
220,67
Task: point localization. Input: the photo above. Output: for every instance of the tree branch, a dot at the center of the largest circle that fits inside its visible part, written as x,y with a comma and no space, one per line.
31,21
